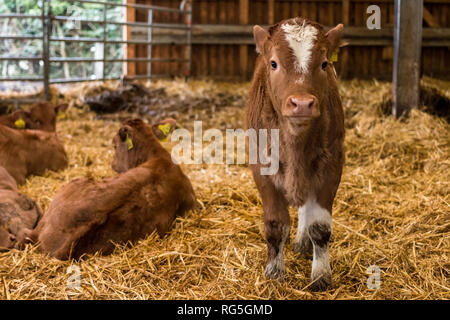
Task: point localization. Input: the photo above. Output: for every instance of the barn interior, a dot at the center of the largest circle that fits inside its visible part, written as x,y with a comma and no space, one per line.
392,209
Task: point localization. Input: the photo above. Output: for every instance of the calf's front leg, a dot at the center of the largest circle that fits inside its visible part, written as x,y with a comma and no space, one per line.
276,226
317,226
302,243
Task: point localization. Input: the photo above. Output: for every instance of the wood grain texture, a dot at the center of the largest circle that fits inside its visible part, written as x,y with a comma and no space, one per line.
366,57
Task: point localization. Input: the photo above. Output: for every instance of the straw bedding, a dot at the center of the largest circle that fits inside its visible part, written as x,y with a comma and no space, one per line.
392,210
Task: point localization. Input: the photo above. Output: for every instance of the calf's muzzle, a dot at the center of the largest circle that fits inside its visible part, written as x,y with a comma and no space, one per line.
302,106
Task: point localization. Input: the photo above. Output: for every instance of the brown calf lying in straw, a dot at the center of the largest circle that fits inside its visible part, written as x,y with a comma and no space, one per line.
17,212
41,116
89,216
294,90
27,152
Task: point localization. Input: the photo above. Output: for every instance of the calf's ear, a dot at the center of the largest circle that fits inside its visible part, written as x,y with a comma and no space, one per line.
334,37
62,107
164,128
20,117
123,132
260,35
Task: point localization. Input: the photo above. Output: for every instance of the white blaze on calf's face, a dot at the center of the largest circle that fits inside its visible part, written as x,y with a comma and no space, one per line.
301,39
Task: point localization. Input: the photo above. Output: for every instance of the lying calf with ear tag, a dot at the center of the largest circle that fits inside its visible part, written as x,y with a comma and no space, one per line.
88,216
30,152
41,116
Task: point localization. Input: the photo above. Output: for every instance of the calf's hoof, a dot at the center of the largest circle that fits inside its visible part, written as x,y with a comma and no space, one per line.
275,270
304,249
321,283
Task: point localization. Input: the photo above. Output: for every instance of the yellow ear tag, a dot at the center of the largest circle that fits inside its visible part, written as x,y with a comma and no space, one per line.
129,143
61,115
165,129
20,124
334,57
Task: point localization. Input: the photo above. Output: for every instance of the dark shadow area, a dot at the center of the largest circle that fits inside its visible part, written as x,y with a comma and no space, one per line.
432,101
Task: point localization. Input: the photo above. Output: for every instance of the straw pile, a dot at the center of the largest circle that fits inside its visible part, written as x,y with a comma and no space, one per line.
392,210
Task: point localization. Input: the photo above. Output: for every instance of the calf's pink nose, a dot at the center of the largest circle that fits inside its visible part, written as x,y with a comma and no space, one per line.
302,103
302,106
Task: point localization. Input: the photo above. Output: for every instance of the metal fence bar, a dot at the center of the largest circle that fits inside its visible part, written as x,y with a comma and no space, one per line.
132,5
20,79
149,47
148,60
46,30
136,77
71,39
19,15
46,38
131,24
189,39
105,9
20,58
14,37
114,41
77,59
144,76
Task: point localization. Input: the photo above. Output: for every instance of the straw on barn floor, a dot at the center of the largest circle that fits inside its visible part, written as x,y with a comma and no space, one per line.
392,211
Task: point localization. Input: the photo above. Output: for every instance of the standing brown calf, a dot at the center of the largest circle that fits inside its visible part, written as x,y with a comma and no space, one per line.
89,216
41,116
294,90
18,213
26,152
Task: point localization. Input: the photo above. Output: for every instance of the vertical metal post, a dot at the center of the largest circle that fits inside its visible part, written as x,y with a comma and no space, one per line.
46,30
189,39
407,52
104,41
149,47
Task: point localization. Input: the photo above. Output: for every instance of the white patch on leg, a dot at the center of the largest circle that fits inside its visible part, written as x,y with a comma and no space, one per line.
301,39
276,268
311,213
302,230
321,262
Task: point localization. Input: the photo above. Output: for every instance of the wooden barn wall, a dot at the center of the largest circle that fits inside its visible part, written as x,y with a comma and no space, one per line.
230,61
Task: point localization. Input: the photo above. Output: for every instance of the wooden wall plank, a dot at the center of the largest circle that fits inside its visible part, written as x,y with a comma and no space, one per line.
205,52
345,52
430,19
243,49
212,12
271,12
239,59
286,10
296,11
304,9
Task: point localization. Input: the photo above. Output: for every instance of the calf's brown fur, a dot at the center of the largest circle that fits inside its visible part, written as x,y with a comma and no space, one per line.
89,216
18,213
41,116
27,152
297,93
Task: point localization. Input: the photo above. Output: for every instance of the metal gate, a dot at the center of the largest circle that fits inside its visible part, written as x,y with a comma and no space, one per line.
47,19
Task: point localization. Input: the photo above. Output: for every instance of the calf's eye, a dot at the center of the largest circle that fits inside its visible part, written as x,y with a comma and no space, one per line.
274,65
324,65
